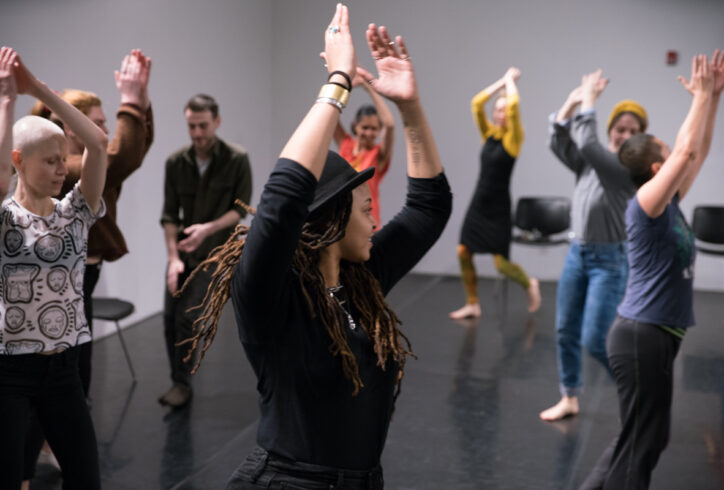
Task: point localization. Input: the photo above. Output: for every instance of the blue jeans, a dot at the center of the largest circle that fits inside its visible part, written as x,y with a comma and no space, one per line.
590,288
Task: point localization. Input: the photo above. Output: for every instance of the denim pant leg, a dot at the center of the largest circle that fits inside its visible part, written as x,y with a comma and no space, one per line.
607,269
570,303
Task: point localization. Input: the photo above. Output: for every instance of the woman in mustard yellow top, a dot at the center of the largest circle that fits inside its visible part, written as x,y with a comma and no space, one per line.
487,225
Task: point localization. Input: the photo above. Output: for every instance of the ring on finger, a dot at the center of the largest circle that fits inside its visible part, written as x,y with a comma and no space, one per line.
333,29
391,43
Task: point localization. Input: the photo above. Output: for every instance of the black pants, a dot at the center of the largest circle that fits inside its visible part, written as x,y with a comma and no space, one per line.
641,356
90,279
262,470
49,385
178,322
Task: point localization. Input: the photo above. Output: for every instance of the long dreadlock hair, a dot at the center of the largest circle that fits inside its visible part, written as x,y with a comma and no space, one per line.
323,227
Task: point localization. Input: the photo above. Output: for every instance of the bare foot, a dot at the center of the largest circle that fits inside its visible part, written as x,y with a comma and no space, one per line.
467,311
534,298
567,407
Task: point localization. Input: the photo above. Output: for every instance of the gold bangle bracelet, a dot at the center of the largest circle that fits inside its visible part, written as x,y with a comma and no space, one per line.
332,91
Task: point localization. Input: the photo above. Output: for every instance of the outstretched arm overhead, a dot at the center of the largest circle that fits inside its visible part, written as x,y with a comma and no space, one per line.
513,137
396,81
592,86
559,132
477,105
684,162
8,94
93,175
387,132
717,70
310,141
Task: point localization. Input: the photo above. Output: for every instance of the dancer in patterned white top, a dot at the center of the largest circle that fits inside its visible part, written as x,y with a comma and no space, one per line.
43,245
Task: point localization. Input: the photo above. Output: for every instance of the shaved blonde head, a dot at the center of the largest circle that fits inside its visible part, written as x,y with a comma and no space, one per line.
30,132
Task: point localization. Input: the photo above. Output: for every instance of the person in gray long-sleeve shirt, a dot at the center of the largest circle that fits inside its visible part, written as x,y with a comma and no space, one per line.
594,275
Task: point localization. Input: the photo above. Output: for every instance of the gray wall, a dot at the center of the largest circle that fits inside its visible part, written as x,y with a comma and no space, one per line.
260,60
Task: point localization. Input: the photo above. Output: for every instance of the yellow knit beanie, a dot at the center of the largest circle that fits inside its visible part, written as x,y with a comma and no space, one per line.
628,106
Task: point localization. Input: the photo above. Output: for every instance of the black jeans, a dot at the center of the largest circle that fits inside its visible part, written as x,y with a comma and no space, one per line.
51,386
90,279
262,470
178,322
641,356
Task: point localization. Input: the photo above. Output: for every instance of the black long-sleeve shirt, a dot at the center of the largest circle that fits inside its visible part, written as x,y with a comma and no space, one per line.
308,413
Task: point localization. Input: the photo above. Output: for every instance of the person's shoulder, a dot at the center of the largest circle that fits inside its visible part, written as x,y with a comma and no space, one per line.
232,153
179,156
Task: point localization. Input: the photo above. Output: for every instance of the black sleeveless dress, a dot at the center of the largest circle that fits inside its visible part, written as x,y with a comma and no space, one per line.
488,221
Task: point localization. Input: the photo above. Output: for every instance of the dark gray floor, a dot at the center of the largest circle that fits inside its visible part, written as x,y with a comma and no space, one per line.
467,417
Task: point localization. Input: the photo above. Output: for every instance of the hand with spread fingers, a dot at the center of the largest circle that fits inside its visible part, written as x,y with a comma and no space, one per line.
396,75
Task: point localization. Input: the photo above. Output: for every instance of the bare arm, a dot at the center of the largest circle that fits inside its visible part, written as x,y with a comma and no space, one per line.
717,69
309,143
8,94
685,158
387,135
93,175
397,82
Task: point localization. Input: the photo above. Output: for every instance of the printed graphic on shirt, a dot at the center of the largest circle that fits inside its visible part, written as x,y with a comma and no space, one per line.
76,275
18,282
75,231
13,241
29,346
79,319
53,321
684,246
57,278
14,318
49,248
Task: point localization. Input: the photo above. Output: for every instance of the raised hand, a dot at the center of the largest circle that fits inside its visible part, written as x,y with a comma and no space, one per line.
132,79
25,82
592,84
396,76
338,46
8,89
702,76
513,73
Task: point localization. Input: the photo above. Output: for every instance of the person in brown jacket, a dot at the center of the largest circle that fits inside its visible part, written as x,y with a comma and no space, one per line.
134,134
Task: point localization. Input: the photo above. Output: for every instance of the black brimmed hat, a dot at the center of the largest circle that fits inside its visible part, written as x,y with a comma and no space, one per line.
337,177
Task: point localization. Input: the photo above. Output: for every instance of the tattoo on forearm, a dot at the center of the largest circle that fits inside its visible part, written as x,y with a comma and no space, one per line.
415,145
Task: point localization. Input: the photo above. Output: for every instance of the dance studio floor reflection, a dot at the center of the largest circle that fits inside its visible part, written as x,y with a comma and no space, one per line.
467,417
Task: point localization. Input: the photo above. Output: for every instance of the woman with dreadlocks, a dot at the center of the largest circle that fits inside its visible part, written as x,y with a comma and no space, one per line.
308,280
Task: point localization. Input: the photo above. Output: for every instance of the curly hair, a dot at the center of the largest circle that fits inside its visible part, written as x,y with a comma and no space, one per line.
325,226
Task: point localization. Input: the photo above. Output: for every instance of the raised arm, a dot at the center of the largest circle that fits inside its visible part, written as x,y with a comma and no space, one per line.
387,133
93,175
309,144
559,134
134,131
396,81
477,106
717,69
513,136
686,156
8,94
